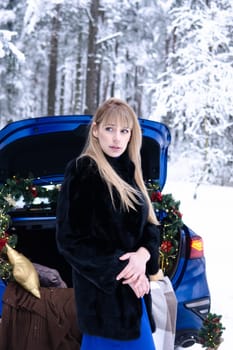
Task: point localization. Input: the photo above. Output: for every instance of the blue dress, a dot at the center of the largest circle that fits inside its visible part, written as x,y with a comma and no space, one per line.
145,341
2,290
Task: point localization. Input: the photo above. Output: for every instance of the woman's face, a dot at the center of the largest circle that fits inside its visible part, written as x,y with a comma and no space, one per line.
113,137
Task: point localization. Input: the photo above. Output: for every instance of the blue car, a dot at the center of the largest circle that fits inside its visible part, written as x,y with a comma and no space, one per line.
40,148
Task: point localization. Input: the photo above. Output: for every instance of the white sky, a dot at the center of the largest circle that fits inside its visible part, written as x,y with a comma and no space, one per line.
210,216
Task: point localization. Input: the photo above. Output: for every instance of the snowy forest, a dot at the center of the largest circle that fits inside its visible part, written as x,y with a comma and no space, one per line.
171,60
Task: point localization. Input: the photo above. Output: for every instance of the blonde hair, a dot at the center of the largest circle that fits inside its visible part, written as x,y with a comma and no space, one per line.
116,109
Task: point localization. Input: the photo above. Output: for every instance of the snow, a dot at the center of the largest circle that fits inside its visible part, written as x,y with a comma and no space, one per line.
210,215
5,41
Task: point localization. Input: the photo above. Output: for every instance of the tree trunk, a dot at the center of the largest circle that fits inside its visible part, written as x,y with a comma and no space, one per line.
79,78
52,80
62,93
92,100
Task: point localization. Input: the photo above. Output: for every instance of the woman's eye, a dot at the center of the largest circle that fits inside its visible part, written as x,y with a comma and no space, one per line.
125,131
108,128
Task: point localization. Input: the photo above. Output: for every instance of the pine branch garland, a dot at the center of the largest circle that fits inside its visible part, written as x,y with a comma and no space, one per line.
170,218
211,332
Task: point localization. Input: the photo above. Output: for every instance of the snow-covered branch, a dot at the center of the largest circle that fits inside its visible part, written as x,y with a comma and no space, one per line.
109,37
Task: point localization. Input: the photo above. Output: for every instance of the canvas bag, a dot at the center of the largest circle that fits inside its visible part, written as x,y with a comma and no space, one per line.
164,310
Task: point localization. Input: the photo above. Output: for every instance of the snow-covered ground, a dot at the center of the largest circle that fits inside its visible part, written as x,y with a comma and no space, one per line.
210,215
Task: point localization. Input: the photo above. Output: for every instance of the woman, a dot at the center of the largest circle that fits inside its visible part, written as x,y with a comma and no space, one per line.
107,231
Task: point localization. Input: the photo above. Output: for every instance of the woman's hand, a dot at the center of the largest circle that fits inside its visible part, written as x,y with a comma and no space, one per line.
141,286
136,266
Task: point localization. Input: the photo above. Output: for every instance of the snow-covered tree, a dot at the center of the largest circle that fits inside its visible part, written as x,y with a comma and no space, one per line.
132,39
194,95
57,76
10,60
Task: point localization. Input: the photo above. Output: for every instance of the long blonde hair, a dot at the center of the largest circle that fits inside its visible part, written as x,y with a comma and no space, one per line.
116,109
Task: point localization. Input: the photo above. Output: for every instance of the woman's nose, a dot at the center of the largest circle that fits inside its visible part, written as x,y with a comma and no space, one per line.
116,136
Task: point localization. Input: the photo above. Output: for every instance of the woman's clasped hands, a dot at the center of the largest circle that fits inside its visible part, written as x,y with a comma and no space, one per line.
134,274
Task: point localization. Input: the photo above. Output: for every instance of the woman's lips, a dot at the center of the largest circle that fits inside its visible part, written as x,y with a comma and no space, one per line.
115,147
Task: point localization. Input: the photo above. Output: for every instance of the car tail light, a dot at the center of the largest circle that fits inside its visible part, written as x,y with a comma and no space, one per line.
196,248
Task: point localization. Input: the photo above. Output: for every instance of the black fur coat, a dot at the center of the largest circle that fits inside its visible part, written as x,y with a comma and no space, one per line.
92,235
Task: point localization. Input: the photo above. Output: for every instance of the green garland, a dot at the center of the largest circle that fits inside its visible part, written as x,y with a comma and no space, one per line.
211,332
170,218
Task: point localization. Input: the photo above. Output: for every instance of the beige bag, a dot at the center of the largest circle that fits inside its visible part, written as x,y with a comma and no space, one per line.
164,309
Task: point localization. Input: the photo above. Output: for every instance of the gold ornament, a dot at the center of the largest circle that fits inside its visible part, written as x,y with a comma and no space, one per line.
23,271
10,200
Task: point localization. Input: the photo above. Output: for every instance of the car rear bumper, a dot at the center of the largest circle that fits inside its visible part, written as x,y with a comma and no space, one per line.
193,299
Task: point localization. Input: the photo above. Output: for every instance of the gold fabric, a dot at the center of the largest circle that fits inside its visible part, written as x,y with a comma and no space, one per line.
23,271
